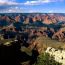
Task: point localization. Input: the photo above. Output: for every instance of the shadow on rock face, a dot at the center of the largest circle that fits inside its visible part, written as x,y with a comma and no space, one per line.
11,55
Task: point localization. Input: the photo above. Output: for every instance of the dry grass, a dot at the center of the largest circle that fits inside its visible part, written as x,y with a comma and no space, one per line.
47,42
41,44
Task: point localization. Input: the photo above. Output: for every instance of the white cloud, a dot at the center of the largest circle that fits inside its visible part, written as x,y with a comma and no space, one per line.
12,5
12,10
51,11
8,2
37,2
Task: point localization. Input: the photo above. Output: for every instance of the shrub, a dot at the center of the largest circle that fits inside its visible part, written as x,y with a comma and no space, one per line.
46,59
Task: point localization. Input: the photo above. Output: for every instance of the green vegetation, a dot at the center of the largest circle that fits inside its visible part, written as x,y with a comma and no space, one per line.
46,59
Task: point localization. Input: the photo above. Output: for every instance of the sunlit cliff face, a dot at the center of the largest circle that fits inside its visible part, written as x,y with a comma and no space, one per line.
34,19
61,18
17,18
47,20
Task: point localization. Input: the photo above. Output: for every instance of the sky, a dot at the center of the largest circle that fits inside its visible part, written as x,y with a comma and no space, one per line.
32,6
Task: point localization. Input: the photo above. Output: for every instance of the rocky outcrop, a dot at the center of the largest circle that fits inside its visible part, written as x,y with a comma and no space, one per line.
41,43
59,55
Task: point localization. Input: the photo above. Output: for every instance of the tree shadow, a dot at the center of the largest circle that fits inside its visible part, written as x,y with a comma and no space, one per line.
11,55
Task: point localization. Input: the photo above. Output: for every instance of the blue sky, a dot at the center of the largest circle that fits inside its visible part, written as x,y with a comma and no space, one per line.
32,6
